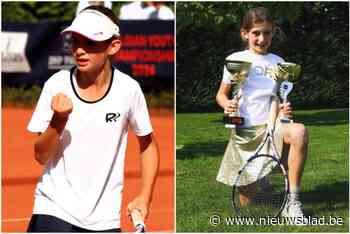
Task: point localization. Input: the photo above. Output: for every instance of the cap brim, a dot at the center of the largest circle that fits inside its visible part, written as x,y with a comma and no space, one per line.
79,32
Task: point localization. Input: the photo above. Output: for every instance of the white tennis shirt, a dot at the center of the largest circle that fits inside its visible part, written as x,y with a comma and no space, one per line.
83,184
258,87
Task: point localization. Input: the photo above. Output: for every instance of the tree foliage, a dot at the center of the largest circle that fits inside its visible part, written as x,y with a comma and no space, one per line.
36,11
317,37
32,11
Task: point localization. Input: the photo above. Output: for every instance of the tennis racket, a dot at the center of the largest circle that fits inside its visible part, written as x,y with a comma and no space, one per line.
262,186
137,220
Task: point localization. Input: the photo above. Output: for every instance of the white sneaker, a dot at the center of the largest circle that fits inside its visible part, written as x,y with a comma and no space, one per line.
293,211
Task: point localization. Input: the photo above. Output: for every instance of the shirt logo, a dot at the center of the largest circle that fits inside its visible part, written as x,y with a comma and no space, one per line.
112,117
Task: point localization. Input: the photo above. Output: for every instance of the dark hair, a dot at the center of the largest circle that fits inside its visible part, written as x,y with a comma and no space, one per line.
104,10
255,16
260,15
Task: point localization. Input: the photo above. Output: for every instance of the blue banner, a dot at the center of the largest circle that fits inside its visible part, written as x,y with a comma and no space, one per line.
31,53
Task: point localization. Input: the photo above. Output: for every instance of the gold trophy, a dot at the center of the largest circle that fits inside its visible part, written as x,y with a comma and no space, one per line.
286,71
239,71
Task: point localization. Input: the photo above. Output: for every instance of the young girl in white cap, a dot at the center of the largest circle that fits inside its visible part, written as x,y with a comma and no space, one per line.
82,118
254,104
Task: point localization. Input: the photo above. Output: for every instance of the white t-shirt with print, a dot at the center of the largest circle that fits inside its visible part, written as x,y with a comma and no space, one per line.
83,183
258,87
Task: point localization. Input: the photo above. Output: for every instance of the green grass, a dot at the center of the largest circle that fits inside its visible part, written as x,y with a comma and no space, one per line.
201,140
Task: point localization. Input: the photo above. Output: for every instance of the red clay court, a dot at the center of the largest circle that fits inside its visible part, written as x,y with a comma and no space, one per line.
20,172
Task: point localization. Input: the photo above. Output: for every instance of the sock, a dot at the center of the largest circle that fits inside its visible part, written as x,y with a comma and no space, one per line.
294,189
294,192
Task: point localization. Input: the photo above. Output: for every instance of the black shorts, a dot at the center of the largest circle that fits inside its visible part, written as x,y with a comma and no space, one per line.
48,223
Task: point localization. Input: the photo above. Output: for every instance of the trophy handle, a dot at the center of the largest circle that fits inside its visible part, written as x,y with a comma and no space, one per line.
285,88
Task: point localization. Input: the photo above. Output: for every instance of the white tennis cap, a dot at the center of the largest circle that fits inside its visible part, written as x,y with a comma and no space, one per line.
94,25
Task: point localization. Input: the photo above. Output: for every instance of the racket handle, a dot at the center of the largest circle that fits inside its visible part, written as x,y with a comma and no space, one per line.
138,221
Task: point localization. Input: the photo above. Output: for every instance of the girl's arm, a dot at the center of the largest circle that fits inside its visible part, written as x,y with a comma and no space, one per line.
149,169
47,144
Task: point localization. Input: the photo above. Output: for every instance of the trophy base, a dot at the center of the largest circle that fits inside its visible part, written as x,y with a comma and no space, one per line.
232,121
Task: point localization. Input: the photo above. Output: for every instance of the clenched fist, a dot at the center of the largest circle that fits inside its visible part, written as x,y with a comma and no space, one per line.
139,204
286,109
61,105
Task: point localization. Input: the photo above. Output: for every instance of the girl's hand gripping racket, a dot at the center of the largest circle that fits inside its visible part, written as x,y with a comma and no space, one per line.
137,220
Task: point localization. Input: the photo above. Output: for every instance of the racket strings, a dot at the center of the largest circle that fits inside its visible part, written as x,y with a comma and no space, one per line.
263,197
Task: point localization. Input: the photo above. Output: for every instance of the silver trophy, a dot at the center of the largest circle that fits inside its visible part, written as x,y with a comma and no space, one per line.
286,71
239,71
